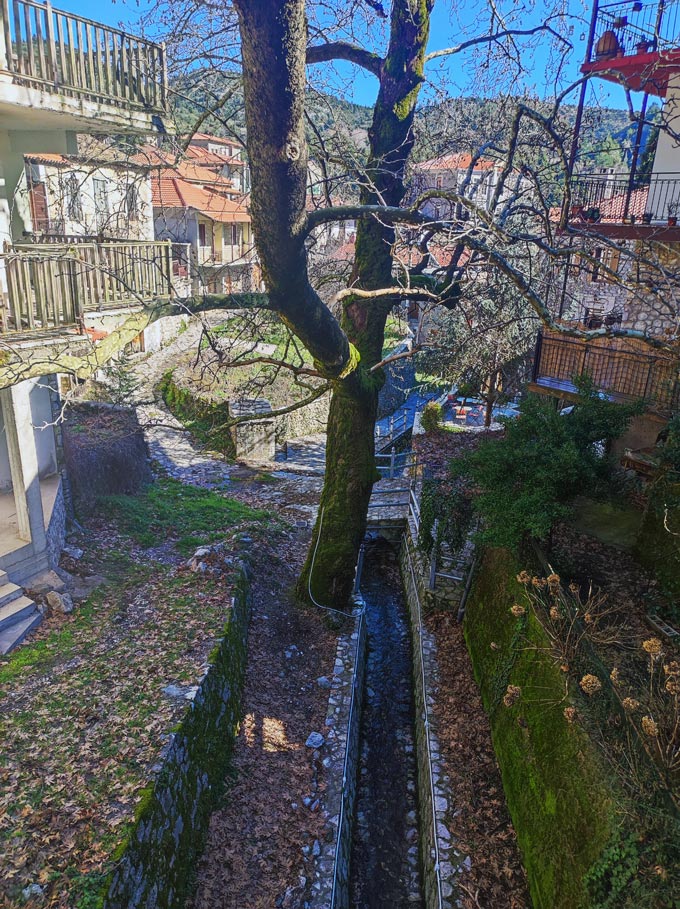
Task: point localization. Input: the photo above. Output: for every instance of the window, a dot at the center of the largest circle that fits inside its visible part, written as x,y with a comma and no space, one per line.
201,235
439,182
234,235
132,202
606,264
101,203
74,204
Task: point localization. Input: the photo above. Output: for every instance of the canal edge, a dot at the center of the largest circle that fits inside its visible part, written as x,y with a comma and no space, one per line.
330,888
441,861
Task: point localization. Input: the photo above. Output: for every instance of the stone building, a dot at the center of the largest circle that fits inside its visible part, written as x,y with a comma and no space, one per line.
623,271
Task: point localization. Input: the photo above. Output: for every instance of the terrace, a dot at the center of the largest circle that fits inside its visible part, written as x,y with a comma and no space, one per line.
623,369
627,207
635,43
52,287
56,63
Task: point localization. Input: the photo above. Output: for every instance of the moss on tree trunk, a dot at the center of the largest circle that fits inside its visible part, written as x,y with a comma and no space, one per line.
274,36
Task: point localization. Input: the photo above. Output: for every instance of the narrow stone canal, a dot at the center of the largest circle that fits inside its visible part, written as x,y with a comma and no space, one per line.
384,864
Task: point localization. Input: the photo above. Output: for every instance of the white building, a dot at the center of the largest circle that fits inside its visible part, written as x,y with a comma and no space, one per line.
60,75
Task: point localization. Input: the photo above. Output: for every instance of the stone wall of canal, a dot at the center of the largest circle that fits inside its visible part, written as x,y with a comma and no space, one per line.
440,860
157,860
339,755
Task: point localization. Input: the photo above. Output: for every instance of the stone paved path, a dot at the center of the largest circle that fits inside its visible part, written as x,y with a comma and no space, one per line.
291,486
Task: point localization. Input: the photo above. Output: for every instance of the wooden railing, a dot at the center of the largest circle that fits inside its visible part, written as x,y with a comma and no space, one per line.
51,287
625,369
58,51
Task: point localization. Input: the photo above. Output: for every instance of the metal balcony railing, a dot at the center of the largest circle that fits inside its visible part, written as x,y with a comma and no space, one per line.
52,287
629,28
612,199
60,52
621,369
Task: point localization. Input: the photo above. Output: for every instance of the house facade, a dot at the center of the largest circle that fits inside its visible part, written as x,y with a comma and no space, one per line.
624,268
64,268
198,204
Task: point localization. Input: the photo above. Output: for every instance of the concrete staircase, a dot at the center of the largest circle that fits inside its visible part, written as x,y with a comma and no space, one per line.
18,614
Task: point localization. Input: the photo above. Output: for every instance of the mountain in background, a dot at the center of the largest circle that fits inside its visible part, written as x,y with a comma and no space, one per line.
456,124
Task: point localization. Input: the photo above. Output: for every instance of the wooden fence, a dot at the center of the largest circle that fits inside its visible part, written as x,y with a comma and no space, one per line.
625,369
54,50
51,286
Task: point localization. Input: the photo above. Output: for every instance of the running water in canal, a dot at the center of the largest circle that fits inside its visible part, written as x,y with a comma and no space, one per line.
384,865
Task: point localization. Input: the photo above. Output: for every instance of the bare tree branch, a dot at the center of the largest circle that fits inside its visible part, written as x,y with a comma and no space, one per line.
343,50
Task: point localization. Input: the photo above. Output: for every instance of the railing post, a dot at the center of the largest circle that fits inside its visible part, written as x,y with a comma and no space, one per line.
434,554
5,38
51,47
360,568
393,456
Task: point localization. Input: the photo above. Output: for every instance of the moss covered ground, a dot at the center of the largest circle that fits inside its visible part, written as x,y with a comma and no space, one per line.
560,797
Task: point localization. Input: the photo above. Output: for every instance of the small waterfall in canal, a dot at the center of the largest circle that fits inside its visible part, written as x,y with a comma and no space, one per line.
384,868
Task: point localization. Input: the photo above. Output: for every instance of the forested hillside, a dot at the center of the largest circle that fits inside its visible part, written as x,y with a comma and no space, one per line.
457,124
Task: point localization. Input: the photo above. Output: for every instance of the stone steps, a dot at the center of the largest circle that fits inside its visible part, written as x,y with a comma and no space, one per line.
18,615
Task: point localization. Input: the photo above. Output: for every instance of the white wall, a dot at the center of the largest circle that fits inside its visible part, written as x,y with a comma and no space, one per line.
41,416
5,472
60,182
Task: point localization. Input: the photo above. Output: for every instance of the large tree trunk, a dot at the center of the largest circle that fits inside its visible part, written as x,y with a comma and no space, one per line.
273,36
350,459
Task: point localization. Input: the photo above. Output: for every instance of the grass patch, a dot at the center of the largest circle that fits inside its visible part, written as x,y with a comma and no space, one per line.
395,332
559,796
607,522
170,510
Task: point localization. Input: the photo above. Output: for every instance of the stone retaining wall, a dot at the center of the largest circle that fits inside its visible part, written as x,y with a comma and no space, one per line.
330,889
56,529
441,861
157,861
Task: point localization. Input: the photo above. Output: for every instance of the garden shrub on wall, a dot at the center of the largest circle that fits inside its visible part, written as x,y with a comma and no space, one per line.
528,480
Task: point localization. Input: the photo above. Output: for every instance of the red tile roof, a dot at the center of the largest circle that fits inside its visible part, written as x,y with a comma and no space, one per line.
169,190
217,140
461,161
208,157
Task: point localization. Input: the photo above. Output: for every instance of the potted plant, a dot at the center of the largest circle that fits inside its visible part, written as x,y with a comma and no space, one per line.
673,208
642,46
647,217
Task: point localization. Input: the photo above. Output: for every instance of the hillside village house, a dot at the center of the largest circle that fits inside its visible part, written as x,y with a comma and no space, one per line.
625,267
80,197
198,201
474,178
61,75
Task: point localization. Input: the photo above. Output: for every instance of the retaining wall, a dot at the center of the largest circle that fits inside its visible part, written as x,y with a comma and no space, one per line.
157,861
330,889
440,860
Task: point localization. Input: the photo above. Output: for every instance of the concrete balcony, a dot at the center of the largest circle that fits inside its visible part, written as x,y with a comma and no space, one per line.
60,71
636,44
642,207
209,256
52,288
625,370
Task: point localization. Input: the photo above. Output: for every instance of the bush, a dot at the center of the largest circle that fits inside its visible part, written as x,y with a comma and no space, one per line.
529,479
431,417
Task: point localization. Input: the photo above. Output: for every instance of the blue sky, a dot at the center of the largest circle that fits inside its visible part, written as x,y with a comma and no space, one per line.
448,17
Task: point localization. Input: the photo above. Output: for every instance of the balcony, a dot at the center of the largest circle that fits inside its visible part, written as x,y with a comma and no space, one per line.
52,287
616,207
636,43
58,65
625,370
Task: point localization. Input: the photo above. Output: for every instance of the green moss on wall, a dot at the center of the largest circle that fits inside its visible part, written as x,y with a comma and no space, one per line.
558,794
155,867
202,418
657,546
